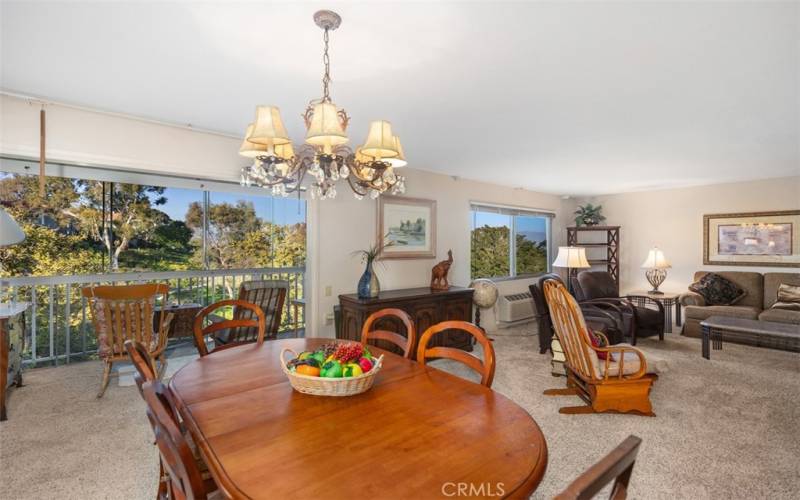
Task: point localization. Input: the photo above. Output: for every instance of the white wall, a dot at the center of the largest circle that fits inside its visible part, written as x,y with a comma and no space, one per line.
346,224
672,220
82,136
336,227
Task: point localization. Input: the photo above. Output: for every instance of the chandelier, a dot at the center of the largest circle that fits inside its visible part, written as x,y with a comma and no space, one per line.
325,157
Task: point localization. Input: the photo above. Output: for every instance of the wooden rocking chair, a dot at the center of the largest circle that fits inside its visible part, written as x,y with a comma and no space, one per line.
617,384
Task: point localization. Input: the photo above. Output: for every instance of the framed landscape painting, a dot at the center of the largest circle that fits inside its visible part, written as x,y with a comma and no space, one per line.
406,228
752,239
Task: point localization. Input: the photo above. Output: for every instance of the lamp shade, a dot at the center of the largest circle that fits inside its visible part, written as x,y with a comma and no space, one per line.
380,141
269,129
10,232
656,260
400,159
571,257
250,149
326,128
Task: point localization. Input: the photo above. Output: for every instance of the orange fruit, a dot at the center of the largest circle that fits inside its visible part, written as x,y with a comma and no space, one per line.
309,370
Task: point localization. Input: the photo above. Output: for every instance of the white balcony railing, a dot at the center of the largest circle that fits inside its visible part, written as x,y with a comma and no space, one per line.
59,326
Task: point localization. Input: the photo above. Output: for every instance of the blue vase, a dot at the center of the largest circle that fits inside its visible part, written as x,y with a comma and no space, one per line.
368,286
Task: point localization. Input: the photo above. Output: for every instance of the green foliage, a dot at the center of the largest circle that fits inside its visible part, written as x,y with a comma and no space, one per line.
490,253
589,215
46,252
490,257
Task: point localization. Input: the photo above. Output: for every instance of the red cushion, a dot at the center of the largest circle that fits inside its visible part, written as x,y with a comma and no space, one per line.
597,343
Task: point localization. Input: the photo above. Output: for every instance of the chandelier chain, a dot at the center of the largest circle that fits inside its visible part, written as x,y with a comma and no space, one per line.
326,79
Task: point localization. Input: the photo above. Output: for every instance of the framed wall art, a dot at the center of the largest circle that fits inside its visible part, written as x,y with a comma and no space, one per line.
752,239
406,228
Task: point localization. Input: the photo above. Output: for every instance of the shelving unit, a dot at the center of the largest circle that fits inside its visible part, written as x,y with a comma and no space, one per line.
611,246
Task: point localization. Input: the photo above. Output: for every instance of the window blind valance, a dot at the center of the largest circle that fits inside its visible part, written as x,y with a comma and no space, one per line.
508,210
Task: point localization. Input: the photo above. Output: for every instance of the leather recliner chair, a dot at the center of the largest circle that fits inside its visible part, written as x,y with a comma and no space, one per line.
599,288
602,319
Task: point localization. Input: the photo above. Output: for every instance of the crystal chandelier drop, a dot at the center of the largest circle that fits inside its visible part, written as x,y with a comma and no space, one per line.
325,157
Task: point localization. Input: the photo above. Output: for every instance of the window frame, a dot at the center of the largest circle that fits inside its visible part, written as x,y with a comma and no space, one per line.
514,212
107,174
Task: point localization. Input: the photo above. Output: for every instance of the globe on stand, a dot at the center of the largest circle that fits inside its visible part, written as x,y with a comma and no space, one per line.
485,296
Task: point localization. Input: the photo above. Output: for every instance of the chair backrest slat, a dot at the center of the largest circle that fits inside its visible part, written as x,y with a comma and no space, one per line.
617,465
485,368
406,344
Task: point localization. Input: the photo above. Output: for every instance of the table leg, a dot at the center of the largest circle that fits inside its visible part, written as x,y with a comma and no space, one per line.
667,317
706,334
716,337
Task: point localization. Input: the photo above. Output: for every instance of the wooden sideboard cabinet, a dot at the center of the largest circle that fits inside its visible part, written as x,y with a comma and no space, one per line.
12,342
426,308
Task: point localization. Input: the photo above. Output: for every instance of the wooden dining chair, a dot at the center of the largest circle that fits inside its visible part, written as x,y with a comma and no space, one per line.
126,312
485,368
617,465
142,362
406,344
185,479
200,332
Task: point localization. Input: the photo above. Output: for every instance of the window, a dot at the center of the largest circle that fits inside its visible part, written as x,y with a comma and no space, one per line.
125,222
509,242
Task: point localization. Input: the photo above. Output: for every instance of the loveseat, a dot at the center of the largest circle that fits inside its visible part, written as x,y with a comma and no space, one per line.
762,292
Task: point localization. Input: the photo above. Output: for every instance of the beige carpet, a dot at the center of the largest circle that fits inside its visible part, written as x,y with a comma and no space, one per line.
725,428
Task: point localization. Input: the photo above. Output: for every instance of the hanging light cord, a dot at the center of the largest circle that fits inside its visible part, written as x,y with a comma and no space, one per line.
326,79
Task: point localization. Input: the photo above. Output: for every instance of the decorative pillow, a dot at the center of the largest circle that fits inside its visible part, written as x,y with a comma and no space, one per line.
598,341
717,290
788,297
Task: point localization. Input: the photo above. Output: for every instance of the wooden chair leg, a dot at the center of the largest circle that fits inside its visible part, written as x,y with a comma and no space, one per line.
106,378
163,479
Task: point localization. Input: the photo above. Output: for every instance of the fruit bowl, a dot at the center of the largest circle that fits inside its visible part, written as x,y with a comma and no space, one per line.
324,386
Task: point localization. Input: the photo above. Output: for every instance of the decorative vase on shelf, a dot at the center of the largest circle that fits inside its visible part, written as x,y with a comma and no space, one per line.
368,286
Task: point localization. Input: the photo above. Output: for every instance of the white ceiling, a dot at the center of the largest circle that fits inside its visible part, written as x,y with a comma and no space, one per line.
573,98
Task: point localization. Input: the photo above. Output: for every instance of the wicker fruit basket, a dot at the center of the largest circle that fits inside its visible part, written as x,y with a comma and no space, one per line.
323,386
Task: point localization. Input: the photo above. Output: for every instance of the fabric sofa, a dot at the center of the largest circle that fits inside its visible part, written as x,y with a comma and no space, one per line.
762,291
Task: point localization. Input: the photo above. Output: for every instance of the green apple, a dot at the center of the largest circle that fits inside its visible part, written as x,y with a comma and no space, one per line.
319,356
331,369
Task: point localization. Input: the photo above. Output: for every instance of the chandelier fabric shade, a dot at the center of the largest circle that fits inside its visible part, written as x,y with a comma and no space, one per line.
325,128
269,129
250,149
399,160
380,141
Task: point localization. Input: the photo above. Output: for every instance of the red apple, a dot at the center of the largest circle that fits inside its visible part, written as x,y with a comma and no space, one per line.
365,364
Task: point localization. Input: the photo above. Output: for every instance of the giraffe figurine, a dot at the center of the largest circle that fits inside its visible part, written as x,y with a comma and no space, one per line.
439,273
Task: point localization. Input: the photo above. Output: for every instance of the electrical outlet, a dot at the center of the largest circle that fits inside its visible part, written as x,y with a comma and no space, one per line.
329,319
328,291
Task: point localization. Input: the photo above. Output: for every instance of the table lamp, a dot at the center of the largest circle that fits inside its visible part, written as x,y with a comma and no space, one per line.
571,258
656,265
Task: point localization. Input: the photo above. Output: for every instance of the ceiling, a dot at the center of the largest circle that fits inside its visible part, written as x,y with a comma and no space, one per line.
568,98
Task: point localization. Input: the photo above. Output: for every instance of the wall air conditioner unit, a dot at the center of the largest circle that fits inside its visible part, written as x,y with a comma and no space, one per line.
515,307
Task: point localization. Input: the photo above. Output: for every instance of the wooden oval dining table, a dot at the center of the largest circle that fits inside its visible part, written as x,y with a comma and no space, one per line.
418,433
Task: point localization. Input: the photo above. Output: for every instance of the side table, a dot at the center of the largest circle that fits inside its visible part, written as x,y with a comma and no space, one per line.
182,321
667,299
